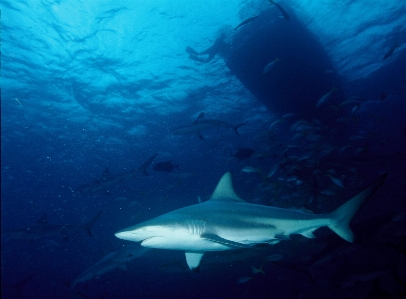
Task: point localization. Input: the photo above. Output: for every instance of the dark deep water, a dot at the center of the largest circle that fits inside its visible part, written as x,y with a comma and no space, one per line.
93,86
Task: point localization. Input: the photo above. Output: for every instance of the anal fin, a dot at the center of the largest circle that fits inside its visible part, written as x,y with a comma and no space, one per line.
193,260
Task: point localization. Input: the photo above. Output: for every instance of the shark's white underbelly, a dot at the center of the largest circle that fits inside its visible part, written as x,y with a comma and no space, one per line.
184,242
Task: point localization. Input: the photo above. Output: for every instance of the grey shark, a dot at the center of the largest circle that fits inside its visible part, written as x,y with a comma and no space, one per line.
107,179
202,123
44,230
226,222
115,260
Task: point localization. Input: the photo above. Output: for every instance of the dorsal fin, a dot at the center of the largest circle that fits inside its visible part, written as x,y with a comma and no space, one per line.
224,190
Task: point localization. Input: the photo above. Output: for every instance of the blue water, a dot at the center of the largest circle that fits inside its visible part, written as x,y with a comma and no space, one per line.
101,84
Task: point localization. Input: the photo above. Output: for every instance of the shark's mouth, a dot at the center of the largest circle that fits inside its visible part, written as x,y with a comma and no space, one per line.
147,241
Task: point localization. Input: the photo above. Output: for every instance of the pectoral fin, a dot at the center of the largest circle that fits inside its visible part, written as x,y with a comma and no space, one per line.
218,239
193,260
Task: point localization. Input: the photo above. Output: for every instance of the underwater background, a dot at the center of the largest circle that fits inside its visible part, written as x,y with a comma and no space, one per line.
304,101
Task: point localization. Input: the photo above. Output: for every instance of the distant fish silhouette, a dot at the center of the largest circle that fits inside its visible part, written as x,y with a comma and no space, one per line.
244,153
249,20
107,179
244,279
390,51
44,230
325,97
202,123
115,260
270,65
192,51
167,166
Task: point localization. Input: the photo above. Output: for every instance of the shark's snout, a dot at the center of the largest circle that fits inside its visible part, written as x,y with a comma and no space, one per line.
137,233
128,235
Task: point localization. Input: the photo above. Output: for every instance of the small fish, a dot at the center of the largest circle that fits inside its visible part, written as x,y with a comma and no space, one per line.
249,20
257,270
390,51
336,181
324,98
283,12
274,123
291,178
273,170
355,109
250,169
18,101
244,279
270,65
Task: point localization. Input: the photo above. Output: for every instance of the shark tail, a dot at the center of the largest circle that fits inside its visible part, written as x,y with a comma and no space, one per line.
88,225
143,167
237,126
342,216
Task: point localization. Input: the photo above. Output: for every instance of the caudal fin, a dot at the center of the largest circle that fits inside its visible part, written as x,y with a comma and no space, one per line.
342,216
88,225
143,167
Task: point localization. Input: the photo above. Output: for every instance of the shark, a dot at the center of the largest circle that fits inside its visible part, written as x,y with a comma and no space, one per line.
15,290
227,222
107,179
203,123
44,230
114,260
